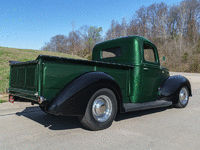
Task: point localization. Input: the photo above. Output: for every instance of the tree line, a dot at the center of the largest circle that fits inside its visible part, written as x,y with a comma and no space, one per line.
174,29
78,42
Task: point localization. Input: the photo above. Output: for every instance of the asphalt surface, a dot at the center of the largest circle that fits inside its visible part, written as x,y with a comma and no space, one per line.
26,127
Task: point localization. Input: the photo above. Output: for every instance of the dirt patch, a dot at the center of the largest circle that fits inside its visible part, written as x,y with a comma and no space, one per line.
4,97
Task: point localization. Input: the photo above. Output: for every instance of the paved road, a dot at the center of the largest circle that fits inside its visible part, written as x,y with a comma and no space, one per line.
26,127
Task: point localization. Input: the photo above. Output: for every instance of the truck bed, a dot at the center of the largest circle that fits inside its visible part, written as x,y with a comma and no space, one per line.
47,75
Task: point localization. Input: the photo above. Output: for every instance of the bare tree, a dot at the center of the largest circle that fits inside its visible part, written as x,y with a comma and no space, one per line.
74,42
57,43
152,22
123,27
172,21
113,25
141,17
162,20
132,28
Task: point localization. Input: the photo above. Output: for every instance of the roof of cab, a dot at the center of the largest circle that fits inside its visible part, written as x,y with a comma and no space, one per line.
122,38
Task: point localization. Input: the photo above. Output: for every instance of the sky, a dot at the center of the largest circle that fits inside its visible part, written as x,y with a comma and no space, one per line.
28,24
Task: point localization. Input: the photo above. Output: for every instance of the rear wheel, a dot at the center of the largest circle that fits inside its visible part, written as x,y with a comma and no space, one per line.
183,97
101,110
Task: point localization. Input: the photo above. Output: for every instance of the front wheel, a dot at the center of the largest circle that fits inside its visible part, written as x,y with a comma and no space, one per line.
183,97
101,110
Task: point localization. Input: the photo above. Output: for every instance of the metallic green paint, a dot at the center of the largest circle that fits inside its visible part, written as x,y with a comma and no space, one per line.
51,74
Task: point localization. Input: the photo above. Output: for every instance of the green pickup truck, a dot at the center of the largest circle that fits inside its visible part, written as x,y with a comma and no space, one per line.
124,75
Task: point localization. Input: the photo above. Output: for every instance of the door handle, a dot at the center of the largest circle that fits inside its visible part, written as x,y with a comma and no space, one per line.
145,69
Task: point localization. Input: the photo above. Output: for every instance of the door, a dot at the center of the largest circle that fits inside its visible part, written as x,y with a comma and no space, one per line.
150,73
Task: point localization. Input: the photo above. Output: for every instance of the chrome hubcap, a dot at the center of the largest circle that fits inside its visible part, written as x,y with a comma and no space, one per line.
102,108
183,96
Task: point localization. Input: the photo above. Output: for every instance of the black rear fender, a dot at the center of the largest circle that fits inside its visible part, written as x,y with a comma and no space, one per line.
73,99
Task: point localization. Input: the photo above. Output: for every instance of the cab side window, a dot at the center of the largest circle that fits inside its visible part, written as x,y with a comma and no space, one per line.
149,54
111,52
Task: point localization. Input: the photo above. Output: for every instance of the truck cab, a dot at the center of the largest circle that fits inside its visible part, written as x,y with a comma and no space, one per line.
145,76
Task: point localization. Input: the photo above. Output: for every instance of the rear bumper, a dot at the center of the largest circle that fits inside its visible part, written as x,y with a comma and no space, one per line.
15,97
31,95
25,95
18,97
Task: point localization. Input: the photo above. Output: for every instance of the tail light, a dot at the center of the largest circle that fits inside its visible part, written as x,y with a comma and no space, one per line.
11,99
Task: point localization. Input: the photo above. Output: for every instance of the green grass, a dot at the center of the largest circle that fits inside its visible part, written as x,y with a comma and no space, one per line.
2,101
15,54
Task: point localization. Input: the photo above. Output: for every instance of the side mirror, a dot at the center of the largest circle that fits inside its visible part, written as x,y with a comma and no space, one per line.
163,58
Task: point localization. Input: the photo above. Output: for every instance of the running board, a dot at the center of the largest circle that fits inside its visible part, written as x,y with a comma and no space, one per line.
147,105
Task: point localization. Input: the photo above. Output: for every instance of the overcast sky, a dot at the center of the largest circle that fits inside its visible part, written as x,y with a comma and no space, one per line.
28,24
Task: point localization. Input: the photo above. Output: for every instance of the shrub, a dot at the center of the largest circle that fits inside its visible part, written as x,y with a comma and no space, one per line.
185,56
194,67
89,57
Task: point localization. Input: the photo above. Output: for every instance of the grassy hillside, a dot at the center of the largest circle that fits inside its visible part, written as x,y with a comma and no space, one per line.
7,54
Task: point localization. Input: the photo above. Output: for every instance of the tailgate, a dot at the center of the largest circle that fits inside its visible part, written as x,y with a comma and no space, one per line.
23,79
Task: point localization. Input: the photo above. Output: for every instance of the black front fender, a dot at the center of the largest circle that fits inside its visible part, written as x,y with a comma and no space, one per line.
73,99
172,84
